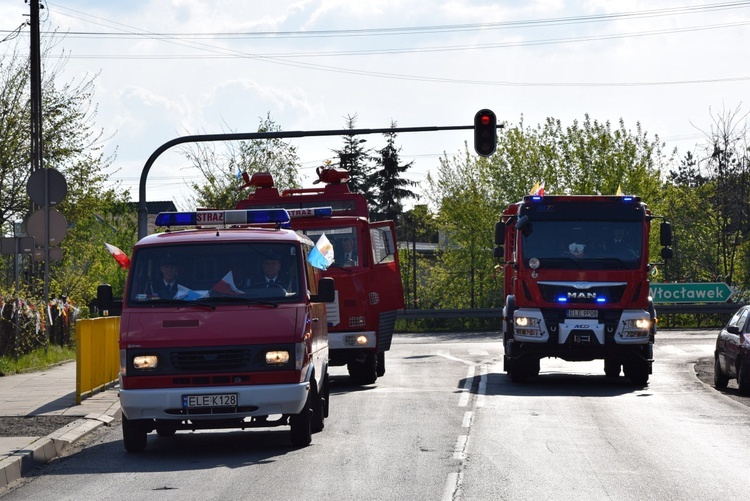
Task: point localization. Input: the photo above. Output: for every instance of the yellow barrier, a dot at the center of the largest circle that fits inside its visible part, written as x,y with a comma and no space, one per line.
97,354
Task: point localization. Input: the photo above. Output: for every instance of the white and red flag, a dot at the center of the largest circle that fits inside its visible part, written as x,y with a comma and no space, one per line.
226,286
122,259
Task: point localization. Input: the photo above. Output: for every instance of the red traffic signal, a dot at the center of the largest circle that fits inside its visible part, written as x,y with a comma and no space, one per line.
485,132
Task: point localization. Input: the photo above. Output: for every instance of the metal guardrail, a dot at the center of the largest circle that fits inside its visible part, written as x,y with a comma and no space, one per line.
661,310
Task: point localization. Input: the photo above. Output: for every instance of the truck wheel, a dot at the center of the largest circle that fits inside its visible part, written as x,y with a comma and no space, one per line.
381,364
721,380
743,378
612,368
319,400
523,370
365,372
301,425
637,371
134,434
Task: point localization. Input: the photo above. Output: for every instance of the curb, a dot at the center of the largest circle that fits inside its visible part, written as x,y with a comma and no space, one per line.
45,449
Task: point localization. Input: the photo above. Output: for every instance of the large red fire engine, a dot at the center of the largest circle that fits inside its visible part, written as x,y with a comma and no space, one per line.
576,283
366,268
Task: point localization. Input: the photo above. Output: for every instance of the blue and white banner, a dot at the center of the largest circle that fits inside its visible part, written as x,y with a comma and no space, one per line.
321,256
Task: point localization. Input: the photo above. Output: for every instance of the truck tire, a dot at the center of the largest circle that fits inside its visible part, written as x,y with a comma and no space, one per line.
743,378
637,371
320,400
134,434
381,364
301,424
721,380
612,367
524,369
365,372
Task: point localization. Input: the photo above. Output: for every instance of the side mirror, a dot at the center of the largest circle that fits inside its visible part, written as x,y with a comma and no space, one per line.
326,291
499,233
499,251
665,234
733,329
666,253
104,300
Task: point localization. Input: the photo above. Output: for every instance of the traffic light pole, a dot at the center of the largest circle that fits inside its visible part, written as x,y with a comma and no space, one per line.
143,211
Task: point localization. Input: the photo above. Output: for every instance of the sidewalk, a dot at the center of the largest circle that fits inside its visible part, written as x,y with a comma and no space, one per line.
48,393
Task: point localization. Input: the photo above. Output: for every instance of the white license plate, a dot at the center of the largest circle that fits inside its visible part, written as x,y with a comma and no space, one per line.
215,400
583,314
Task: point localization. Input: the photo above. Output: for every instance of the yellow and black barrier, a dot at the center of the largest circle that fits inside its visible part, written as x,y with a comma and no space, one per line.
97,354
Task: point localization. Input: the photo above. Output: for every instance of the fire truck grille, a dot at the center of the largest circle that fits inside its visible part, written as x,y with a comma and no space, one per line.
209,360
552,293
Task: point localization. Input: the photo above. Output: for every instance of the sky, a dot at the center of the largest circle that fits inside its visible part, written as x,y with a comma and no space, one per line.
171,68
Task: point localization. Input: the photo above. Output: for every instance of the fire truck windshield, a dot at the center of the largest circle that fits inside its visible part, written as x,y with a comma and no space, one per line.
232,272
346,249
583,244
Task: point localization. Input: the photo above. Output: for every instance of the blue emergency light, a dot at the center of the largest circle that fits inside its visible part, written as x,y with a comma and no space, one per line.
224,217
562,299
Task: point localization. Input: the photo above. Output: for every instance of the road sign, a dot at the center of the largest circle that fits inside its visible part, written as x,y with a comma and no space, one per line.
56,183
690,292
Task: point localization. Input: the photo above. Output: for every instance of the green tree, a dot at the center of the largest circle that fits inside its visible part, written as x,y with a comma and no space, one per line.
72,144
391,188
357,160
220,187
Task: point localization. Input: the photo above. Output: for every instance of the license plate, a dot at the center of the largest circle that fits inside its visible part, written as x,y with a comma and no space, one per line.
216,400
583,313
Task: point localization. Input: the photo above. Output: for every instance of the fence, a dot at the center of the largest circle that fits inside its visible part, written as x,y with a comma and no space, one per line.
97,354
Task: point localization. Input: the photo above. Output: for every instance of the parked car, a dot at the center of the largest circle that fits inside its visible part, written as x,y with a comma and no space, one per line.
732,355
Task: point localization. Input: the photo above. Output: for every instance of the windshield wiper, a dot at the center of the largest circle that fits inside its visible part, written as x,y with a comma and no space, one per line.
176,302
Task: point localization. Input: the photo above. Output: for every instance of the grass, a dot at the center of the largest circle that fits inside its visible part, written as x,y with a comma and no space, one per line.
37,360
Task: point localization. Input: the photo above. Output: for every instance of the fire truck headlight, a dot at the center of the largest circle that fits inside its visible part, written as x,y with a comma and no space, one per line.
361,339
277,357
527,322
528,326
636,327
145,362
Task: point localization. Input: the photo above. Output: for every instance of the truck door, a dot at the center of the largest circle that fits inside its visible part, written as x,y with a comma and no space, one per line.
386,269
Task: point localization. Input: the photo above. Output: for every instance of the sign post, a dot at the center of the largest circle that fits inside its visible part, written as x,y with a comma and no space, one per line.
690,292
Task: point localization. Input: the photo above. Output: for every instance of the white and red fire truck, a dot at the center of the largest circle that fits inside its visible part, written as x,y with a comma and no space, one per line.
576,280
203,347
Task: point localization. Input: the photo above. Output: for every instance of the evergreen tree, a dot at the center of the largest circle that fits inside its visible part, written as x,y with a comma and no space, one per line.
391,188
357,159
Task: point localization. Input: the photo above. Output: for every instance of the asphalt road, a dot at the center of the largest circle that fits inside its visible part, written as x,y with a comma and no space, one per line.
446,423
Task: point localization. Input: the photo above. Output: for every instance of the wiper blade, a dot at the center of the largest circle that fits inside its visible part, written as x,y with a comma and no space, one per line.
236,299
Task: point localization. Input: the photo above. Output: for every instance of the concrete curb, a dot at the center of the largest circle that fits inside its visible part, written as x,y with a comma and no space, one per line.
43,450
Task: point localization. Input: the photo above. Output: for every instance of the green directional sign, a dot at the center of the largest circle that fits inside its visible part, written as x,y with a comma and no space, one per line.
690,292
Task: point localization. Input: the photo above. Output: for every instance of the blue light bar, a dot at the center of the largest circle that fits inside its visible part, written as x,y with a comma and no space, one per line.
627,199
601,300
536,198
222,218
562,299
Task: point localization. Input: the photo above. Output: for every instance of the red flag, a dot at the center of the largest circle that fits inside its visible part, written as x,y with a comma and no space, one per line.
122,259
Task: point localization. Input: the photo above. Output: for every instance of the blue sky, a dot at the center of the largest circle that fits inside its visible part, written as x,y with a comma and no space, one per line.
170,68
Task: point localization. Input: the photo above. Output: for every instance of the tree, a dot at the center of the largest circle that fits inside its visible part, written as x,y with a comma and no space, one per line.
391,188
221,172
72,145
357,159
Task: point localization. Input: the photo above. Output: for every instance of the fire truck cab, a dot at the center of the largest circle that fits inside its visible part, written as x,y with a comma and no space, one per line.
207,342
576,283
366,269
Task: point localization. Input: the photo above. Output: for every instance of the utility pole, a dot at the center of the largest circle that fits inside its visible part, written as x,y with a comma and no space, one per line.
37,163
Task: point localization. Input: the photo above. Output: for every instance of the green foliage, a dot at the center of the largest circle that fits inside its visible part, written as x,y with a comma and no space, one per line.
358,161
220,187
391,187
37,360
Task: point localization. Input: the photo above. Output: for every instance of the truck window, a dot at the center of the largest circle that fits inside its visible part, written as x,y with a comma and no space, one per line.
584,244
346,248
216,272
383,247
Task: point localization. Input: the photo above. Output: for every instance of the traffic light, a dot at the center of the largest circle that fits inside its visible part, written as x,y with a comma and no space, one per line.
485,132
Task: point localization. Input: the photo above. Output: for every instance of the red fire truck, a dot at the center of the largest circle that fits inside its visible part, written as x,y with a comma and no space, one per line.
366,268
576,283
206,345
